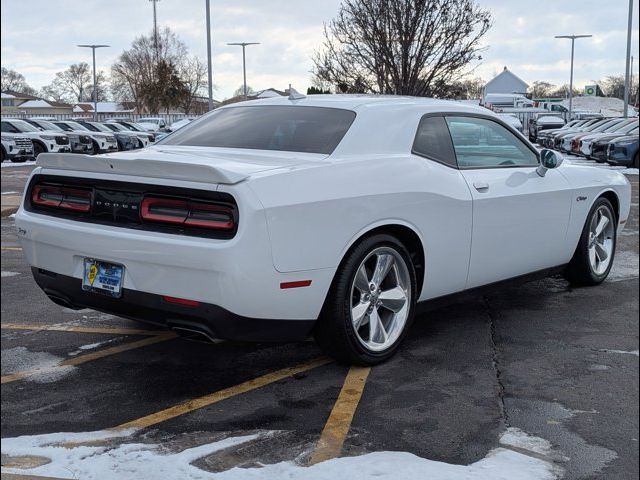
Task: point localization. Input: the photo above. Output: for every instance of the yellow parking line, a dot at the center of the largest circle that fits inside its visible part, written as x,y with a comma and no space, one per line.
12,377
80,329
337,427
206,400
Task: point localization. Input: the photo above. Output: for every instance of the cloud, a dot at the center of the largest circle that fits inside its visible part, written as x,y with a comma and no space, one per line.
39,37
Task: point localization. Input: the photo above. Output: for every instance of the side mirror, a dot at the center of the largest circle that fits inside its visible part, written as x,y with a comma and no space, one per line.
549,159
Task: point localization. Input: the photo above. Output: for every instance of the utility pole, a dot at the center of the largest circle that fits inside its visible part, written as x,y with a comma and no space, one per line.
573,41
626,71
95,86
209,59
244,62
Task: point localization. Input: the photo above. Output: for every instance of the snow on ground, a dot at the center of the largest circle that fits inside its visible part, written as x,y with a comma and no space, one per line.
12,164
44,365
91,346
609,107
72,457
9,274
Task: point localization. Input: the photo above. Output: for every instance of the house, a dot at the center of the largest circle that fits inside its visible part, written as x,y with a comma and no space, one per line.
104,108
44,107
11,100
505,82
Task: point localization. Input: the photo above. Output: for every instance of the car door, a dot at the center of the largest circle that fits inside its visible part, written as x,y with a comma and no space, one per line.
520,219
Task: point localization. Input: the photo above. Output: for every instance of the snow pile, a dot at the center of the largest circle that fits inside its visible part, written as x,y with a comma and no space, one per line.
44,367
17,164
72,457
608,106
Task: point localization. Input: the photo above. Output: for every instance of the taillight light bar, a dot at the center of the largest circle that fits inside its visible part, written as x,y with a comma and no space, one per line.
189,213
65,198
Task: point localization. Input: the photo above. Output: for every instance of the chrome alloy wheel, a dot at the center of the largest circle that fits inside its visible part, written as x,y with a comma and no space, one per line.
601,240
380,299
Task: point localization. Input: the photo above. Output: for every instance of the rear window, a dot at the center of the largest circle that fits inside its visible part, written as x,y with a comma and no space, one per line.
291,129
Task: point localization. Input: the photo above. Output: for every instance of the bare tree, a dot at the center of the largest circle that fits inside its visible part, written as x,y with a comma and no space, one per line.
12,80
75,84
409,47
193,73
542,89
136,73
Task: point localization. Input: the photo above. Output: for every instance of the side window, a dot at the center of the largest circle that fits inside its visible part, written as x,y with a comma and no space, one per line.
433,141
482,143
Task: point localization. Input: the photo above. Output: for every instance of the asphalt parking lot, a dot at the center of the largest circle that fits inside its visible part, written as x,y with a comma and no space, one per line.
552,361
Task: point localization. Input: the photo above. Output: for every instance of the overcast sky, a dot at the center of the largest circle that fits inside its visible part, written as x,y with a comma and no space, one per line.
39,37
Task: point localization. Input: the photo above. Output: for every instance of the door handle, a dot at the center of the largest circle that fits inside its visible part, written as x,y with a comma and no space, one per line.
481,186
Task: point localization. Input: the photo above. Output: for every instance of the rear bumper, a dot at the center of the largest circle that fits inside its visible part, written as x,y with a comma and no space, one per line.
210,320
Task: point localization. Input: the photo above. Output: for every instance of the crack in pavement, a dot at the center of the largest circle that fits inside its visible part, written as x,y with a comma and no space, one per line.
496,363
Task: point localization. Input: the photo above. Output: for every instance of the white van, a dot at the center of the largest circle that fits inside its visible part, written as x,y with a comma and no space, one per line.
506,100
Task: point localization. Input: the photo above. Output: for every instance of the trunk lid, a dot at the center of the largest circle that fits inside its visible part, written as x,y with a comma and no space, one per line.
201,164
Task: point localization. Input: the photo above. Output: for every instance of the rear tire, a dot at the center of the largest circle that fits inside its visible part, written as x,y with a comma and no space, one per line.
371,303
19,159
636,161
593,258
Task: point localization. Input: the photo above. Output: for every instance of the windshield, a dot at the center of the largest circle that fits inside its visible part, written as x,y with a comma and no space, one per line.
628,128
112,126
23,126
98,127
75,126
282,128
608,126
47,125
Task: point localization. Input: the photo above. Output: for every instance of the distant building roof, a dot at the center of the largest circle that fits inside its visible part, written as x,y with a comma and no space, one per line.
102,107
39,103
16,94
506,82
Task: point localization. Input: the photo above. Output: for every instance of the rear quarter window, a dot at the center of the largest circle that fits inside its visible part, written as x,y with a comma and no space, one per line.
433,141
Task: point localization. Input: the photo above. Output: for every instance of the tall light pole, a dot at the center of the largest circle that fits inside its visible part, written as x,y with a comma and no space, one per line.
209,60
95,86
244,62
155,26
627,70
573,41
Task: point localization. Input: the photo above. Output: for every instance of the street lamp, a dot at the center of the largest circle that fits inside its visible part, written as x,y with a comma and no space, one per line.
573,41
244,62
209,60
627,83
95,86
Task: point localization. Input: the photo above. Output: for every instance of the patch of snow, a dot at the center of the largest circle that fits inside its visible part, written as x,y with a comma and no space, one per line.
44,366
91,346
10,193
70,458
12,164
514,437
622,352
608,106
9,274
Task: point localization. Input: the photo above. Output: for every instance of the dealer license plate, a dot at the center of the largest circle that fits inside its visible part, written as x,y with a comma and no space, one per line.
102,277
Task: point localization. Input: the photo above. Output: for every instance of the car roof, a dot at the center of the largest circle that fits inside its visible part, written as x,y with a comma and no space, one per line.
357,101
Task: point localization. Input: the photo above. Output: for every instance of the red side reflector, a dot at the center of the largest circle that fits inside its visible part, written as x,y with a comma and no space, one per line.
181,301
298,284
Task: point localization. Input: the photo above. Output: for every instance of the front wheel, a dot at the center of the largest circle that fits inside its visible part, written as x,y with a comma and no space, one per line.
371,303
593,258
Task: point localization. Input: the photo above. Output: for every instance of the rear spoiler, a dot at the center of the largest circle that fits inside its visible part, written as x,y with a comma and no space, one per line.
192,172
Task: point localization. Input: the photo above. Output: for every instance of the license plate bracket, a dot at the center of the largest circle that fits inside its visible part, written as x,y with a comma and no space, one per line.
103,277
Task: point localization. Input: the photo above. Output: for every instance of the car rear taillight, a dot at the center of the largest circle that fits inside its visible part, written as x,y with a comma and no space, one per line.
188,213
78,200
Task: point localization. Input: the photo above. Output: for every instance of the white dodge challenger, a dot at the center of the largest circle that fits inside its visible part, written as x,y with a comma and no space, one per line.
331,214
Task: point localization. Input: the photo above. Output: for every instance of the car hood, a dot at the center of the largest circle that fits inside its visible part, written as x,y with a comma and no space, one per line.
196,164
614,136
625,138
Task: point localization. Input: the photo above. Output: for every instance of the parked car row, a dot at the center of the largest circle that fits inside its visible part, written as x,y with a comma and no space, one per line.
606,140
24,139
